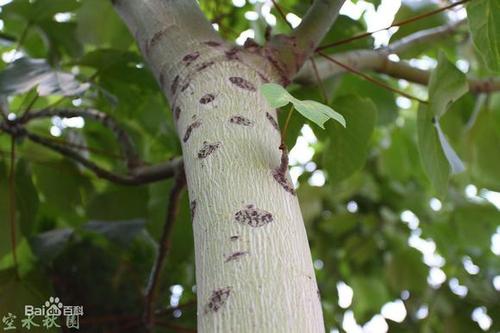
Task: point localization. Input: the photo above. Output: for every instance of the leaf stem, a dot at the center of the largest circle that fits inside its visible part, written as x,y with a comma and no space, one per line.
285,128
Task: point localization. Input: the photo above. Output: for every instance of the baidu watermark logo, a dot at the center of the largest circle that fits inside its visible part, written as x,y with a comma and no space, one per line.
52,314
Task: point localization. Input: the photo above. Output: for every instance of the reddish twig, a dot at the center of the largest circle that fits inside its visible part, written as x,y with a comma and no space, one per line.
282,14
371,79
164,247
396,24
318,79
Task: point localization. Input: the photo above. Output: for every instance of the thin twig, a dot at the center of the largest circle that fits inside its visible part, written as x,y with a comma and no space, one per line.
28,108
122,136
12,202
282,14
23,36
88,149
285,128
371,79
140,176
318,80
164,247
396,24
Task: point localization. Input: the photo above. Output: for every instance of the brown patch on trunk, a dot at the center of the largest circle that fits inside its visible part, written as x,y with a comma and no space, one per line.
272,121
283,180
240,120
190,129
207,98
155,39
218,299
253,216
236,255
175,83
208,149
242,83
192,207
177,112
185,86
212,43
189,58
232,54
204,65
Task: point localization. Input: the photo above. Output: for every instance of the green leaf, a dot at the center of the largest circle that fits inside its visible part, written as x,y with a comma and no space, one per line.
26,198
348,147
483,146
446,85
276,95
40,10
439,160
119,203
318,113
15,294
484,23
25,74
62,186
98,24
370,294
431,152
48,245
474,224
121,232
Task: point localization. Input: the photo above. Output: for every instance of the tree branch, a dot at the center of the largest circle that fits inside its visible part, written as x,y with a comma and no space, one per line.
395,24
172,210
289,52
378,61
122,136
316,23
140,176
424,37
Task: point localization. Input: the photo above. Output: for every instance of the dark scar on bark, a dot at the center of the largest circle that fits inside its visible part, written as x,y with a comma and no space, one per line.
218,299
189,58
190,129
236,255
204,65
239,120
177,112
207,98
280,173
242,83
233,238
212,43
156,37
253,216
272,121
263,78
185,86
208,149
192,207
175,83
232,54
282,179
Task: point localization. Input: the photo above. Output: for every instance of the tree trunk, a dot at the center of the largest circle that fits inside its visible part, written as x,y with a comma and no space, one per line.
254,270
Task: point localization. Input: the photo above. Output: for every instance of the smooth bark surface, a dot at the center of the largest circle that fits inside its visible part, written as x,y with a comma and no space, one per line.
253,264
